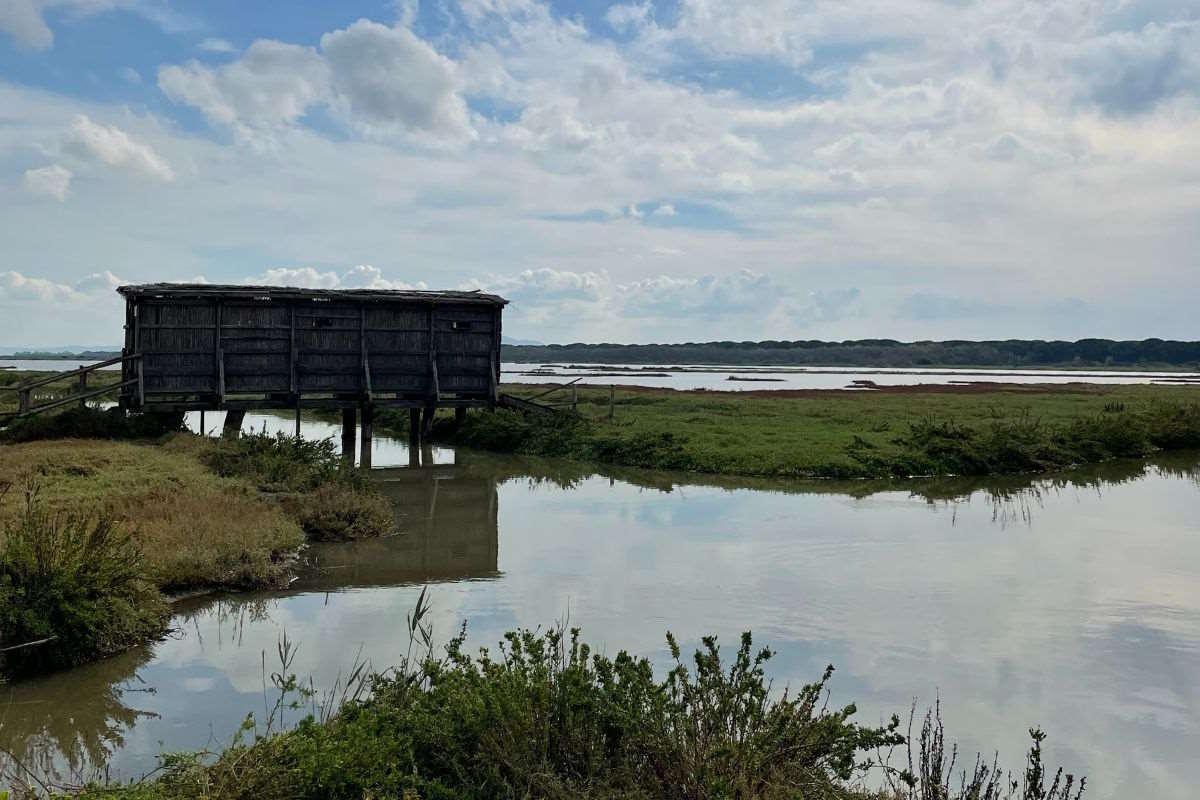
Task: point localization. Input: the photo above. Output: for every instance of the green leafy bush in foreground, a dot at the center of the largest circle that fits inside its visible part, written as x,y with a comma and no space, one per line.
73,583
546,717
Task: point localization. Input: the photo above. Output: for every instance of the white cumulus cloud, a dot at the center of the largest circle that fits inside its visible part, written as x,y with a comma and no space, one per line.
363,276
379,79
388,76
52,181
273,84
111,145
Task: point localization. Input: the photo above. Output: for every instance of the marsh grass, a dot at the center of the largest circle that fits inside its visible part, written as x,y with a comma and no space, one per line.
192,527
338,513
848,434
72,589
279,463
331,500
91,423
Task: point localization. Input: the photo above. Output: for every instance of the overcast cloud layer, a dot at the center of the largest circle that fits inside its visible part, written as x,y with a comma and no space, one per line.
654,171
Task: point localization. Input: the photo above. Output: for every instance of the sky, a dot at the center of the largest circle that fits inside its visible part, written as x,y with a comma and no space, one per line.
656,171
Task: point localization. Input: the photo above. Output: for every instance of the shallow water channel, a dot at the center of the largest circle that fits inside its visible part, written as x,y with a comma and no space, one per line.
1069,602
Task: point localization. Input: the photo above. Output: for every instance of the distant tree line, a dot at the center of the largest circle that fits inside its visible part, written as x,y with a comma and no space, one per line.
1013,353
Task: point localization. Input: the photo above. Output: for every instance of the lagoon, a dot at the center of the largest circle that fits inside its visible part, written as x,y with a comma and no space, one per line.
1066,601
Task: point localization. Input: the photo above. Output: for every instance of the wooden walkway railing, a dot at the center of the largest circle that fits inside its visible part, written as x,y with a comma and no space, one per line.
533,404
26,408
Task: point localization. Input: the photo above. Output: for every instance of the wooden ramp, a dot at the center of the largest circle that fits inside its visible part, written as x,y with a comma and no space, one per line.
517,404
541,402
25,396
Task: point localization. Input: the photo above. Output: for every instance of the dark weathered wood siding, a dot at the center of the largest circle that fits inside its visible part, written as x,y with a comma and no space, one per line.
211,349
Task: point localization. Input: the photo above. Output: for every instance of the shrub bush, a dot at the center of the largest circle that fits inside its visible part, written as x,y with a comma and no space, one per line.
279,463
551,719
335,512
548,718
74,582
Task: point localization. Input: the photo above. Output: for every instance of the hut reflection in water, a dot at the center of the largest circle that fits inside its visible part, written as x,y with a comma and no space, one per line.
446,529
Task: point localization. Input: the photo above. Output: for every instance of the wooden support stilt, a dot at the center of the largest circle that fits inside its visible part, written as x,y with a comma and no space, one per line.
460,414
233,423
368,416
297,417
414,428
348,434
82,386
203,432
427,423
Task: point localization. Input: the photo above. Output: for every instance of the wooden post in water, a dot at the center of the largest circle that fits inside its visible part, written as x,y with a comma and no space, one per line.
233,423
427,423
297,416
348,426
203,432
368,417
414,429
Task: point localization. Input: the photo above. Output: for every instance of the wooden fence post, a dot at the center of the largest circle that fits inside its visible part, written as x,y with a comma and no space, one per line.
349,424
414,429
82,387
612,400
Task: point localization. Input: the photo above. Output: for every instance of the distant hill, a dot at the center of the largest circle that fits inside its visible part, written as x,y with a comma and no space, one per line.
1012,353
520,342
65,353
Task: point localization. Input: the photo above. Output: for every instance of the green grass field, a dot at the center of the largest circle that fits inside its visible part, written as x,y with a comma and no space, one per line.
847,434
193,527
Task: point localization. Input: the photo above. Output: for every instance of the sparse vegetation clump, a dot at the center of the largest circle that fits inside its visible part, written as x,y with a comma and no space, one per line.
330,499
278,463
72,589
336,512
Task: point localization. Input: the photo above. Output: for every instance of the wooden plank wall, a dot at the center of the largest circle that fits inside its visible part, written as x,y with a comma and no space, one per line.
177,344
314,349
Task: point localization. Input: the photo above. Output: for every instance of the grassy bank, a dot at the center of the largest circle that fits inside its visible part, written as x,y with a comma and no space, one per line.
547,717
933,431
94,532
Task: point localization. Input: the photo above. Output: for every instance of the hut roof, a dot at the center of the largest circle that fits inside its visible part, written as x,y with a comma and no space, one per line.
237,291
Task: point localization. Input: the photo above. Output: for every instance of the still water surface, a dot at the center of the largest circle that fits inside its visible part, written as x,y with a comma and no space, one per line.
1070,602
761,378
